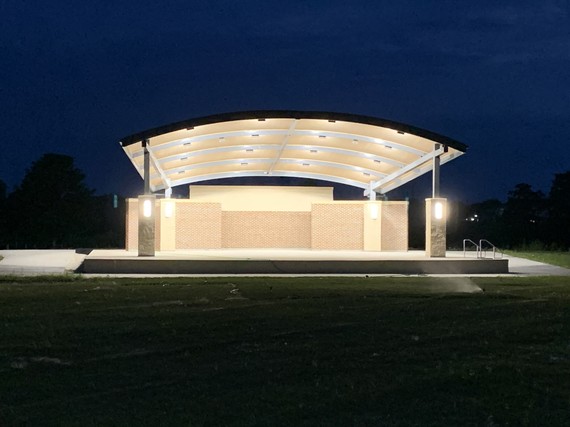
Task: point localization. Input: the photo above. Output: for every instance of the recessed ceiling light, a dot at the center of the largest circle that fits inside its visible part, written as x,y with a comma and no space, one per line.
401,133
313,151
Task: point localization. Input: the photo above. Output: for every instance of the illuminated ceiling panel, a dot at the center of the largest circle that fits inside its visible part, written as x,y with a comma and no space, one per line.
365,152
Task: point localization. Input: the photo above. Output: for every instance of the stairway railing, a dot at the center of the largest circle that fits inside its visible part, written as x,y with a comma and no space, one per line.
477,247
483,250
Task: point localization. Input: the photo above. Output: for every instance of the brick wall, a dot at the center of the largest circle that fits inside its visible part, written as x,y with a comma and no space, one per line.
198,225
337,226
132,225
266,229
394,227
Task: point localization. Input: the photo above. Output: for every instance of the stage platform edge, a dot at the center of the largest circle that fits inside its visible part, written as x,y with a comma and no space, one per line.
313,263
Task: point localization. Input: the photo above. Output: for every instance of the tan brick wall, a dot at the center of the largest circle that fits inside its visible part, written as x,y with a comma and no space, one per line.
394,226
132,225
337,226
266,229
198,225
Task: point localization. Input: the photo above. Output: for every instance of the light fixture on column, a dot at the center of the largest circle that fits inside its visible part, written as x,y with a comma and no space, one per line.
438,210
147,209
168,209
373,210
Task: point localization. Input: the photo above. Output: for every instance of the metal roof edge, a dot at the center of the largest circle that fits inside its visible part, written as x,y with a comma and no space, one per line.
277,114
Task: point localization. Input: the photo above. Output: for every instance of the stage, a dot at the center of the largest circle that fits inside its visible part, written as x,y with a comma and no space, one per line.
288,261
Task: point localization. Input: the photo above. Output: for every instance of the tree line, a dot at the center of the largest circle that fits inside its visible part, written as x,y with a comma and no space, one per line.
53,208
528,219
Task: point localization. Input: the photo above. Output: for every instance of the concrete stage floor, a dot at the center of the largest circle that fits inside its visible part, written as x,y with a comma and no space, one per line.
288,261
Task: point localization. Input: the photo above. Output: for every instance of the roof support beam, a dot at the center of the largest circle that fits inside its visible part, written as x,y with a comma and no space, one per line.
283,145
411,166
156,165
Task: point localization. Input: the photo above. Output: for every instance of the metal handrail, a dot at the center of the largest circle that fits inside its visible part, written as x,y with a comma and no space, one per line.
495,249
477,247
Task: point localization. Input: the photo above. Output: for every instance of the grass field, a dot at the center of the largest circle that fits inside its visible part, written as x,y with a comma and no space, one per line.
285,351
561,259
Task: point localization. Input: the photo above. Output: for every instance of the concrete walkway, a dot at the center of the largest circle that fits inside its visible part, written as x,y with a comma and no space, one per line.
35,262
43,261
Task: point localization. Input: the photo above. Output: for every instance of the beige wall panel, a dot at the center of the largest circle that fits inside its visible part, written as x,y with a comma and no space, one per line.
167,237
266,230
394,226
337,226
261,198
198,225
372,212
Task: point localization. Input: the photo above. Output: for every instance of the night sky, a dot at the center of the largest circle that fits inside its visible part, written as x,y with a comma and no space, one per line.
75,77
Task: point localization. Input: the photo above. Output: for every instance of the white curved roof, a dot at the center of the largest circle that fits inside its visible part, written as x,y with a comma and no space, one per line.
365,152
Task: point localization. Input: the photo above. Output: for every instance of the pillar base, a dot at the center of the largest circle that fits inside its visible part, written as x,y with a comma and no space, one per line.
147,225
436,214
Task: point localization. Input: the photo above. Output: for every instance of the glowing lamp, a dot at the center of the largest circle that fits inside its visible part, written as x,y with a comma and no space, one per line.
168,209
438,210
373,210
147,208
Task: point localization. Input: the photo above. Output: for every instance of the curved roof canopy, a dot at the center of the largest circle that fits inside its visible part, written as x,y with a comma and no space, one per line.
366,152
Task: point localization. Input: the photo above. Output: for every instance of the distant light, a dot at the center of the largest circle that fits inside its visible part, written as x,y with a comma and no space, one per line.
438,210
147,209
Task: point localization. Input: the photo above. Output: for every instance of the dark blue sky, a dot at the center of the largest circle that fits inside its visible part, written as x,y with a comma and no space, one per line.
77,76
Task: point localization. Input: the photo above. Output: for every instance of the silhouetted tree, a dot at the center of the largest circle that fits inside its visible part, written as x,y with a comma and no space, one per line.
3,238
559,210
52,207
524,216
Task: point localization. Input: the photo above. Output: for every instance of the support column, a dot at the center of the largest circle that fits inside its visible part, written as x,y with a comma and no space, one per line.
146,224
435,174
146,170
436,213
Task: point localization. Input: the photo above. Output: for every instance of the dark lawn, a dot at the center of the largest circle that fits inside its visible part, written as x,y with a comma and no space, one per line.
285,351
